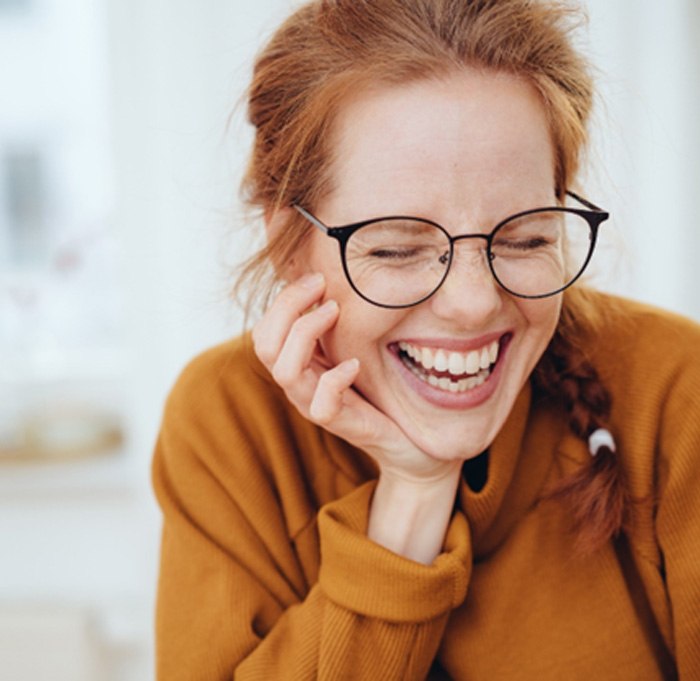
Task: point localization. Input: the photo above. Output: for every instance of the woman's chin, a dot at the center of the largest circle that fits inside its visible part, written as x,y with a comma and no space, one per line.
449,447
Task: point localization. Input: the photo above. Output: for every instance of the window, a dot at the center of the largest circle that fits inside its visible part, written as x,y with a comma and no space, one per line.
59,290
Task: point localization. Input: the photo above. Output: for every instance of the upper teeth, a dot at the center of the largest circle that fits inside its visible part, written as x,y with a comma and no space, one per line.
456,363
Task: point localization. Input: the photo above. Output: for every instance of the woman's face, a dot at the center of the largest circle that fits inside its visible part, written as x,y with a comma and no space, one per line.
464,151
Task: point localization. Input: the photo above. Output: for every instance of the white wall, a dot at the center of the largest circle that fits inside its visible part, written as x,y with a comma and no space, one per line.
647,141
79,539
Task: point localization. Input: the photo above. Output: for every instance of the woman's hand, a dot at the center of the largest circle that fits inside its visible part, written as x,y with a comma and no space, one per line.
286,340
414,497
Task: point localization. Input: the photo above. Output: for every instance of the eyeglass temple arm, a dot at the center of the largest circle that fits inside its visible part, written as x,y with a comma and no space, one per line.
313,220
584,202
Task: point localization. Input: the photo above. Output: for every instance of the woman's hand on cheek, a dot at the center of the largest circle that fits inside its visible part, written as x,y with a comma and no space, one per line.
286,341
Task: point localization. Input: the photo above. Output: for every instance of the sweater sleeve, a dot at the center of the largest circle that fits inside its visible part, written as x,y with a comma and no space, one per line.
678,516
233,602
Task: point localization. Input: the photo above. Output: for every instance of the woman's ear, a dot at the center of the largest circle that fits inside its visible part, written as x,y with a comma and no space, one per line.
277,220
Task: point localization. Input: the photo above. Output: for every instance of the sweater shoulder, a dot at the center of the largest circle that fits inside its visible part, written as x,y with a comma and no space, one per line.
648,360
641,341
225,376
225,407
624,316
232,415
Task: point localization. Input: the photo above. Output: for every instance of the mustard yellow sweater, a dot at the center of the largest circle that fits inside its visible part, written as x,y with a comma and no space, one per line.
266,572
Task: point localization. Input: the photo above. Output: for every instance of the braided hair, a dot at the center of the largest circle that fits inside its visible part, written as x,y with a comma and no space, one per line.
597,493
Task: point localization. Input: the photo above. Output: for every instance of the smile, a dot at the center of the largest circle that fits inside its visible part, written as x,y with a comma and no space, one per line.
454,372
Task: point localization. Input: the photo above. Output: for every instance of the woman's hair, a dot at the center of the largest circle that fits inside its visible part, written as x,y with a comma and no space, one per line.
328,50
597,494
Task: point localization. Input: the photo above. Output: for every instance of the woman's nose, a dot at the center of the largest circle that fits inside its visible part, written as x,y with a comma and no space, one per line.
469,295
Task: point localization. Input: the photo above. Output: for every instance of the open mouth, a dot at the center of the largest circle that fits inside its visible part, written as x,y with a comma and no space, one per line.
454,372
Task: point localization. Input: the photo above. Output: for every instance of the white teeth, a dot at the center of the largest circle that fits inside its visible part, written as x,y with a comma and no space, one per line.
441,363
493,351
473,361
474,367
485,359
449,385
455,364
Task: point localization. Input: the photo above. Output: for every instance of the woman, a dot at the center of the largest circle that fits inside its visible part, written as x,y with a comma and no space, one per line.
437,455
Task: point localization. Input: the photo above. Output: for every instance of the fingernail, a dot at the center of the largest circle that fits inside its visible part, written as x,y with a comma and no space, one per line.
328,307
312,280
351,365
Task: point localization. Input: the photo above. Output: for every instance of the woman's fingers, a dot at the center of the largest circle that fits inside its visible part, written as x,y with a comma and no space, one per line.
298,349
286,339
270,333
328,400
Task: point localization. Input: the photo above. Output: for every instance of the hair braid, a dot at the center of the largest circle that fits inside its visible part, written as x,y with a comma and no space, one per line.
597,493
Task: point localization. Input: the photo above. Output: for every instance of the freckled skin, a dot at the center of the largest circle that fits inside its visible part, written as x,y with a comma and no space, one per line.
464,151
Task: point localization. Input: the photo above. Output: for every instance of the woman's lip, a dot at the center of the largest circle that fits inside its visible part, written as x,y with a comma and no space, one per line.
465,400
454,344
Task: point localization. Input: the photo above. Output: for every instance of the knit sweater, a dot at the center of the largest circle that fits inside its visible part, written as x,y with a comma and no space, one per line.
267,573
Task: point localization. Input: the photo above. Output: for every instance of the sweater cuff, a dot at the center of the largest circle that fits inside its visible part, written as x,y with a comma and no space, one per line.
366,578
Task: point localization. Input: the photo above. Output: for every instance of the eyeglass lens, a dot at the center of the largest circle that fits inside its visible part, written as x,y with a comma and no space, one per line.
399,262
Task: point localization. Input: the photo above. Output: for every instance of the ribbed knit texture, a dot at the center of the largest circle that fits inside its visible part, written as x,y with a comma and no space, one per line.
266,572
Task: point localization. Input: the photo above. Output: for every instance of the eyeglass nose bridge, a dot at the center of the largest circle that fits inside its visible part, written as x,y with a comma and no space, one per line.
448,257
464,237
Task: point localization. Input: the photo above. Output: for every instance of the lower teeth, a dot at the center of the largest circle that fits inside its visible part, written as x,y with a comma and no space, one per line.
447,384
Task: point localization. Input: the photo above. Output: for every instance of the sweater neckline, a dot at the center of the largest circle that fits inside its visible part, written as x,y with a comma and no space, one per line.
519,461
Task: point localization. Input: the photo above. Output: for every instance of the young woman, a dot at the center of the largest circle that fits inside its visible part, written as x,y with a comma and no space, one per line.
437,455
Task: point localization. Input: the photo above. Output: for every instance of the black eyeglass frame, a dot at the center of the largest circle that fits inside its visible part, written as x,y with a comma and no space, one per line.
593,215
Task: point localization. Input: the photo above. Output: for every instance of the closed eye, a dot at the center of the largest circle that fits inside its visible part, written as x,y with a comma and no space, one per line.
395,253
523,244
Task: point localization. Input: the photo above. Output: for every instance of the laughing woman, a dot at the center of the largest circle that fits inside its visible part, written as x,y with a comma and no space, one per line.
437,455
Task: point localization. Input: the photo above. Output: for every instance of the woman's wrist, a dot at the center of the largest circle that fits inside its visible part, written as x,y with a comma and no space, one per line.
411,517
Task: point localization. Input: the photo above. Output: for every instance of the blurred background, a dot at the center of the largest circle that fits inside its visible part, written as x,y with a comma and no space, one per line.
119,226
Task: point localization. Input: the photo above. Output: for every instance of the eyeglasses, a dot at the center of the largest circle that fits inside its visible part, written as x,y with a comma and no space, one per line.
400,261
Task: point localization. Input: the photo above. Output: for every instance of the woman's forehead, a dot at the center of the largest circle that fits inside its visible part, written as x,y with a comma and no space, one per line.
471,132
